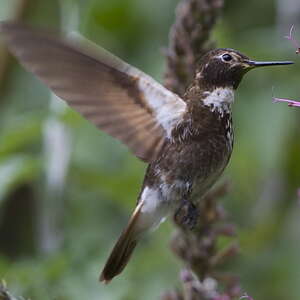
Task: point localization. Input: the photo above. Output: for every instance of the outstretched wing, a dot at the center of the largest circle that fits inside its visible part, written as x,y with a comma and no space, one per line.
117,98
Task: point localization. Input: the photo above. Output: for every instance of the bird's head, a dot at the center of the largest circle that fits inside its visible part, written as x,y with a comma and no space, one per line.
226,68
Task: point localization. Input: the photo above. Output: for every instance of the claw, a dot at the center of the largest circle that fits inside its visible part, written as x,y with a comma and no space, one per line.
186,215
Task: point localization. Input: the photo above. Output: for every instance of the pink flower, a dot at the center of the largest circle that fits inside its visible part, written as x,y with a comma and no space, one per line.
297,46
246,297
294,42
288,101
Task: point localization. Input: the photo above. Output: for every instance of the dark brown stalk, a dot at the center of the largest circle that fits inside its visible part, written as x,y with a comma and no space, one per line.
190,38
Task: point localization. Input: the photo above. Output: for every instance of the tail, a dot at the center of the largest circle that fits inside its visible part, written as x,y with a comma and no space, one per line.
123,249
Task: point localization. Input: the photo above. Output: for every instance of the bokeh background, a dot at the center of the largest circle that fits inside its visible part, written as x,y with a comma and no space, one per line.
67,189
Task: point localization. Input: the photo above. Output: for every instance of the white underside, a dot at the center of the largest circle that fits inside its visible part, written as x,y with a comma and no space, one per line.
159,202
154,208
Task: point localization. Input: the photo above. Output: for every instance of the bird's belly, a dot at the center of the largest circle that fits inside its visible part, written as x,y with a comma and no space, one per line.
185,174
159,201
196,167
164,199
202,185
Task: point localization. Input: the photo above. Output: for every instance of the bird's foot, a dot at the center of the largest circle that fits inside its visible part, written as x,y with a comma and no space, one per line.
186,215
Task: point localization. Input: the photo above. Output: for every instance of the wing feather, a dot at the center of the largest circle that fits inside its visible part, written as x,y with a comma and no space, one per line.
117,98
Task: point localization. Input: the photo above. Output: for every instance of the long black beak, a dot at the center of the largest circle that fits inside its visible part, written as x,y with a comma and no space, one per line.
253,63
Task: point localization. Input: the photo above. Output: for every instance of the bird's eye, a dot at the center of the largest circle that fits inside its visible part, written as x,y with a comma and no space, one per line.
226,57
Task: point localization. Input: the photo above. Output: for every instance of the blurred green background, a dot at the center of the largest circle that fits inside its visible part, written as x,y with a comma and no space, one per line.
67,189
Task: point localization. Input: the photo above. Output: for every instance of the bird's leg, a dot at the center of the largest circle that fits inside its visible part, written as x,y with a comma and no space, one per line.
187,214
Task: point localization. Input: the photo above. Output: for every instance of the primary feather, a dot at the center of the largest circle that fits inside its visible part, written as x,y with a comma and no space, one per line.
117,98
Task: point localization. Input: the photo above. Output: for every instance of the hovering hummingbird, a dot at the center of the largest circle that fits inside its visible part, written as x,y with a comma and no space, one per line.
186,141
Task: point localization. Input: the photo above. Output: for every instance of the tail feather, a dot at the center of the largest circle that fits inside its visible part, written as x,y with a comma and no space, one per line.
122,250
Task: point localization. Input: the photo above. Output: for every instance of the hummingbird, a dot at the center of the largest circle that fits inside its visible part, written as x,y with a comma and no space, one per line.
186,141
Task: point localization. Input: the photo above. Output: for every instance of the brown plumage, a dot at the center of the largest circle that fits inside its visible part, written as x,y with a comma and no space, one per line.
122,250
99,86
187,142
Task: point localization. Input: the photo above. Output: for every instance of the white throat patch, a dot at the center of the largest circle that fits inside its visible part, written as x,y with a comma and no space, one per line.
219,99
